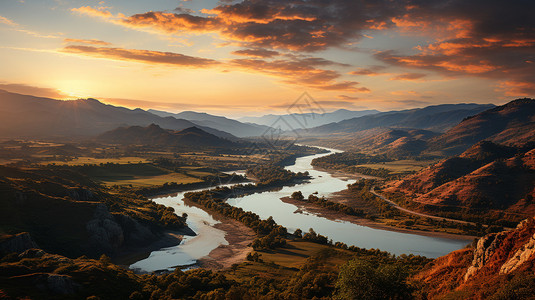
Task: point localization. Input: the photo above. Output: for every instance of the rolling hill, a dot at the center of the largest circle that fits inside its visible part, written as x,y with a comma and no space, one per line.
23,116
231,126
494,178
157,136
511,124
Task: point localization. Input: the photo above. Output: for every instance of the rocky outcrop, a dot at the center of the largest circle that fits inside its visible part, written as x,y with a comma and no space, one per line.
105,235
486,246
523,254
17,243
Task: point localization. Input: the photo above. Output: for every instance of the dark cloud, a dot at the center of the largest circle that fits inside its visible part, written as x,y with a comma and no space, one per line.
490,39
144,56
484,38
260,53
369,71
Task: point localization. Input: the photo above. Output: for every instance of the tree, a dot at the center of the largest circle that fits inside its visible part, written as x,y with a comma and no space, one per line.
297,195
361,280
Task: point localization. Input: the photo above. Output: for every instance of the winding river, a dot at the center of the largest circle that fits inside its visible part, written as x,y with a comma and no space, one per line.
268,204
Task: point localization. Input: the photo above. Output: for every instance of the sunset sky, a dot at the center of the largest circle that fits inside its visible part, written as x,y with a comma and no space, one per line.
254,57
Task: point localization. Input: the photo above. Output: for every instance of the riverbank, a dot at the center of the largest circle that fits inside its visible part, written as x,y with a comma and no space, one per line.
310,208
237,235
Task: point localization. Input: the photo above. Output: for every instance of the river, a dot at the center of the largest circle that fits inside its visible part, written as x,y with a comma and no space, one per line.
268,204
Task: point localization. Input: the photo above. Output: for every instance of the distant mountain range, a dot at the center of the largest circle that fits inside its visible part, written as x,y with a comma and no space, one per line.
234,127
157,136
305,120
434,118
23,116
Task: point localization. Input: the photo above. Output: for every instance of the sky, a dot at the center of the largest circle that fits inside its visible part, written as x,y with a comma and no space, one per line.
255,57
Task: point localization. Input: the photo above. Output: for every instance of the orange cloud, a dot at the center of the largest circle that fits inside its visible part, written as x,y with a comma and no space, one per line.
4,20
517,88
144,56
93,12
301,72
82,41
409,76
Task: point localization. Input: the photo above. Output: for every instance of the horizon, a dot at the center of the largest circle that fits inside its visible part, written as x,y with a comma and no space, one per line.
256,58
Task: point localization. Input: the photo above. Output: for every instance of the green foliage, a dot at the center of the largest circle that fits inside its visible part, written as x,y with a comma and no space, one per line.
360,279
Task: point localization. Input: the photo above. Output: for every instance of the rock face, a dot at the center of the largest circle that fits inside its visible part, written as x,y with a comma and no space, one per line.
522,255
109,233
104,232
17,243
486,246
494,265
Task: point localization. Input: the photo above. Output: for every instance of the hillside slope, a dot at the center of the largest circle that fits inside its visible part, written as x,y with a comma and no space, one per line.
157,136
66,213
511,124
499,266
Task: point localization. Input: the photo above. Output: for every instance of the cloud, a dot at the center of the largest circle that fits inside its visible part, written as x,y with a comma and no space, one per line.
32,90
144,56
369,71
93,12
90,42
4,20
291,25
303,72
17,27
260,53
476,38
409,76
347,98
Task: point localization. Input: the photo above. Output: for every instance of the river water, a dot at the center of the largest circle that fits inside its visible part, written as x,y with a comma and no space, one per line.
268,204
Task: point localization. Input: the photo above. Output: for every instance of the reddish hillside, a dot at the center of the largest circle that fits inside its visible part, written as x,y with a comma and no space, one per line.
500,266
503,185
512,123
452,168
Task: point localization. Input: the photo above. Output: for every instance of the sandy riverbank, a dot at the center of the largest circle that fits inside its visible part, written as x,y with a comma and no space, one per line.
238,237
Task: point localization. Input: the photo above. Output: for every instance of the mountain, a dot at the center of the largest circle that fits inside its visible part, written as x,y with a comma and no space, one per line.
234,127
499,266
23,116
155,135
512,124
394,142
434,118
305,120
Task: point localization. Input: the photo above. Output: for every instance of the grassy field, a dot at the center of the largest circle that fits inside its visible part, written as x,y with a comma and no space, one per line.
137,175
284,262
95,161
399,166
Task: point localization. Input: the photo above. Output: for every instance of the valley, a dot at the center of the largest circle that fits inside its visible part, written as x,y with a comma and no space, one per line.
159,209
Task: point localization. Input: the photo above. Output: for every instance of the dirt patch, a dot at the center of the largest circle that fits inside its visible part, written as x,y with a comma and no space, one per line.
239,237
